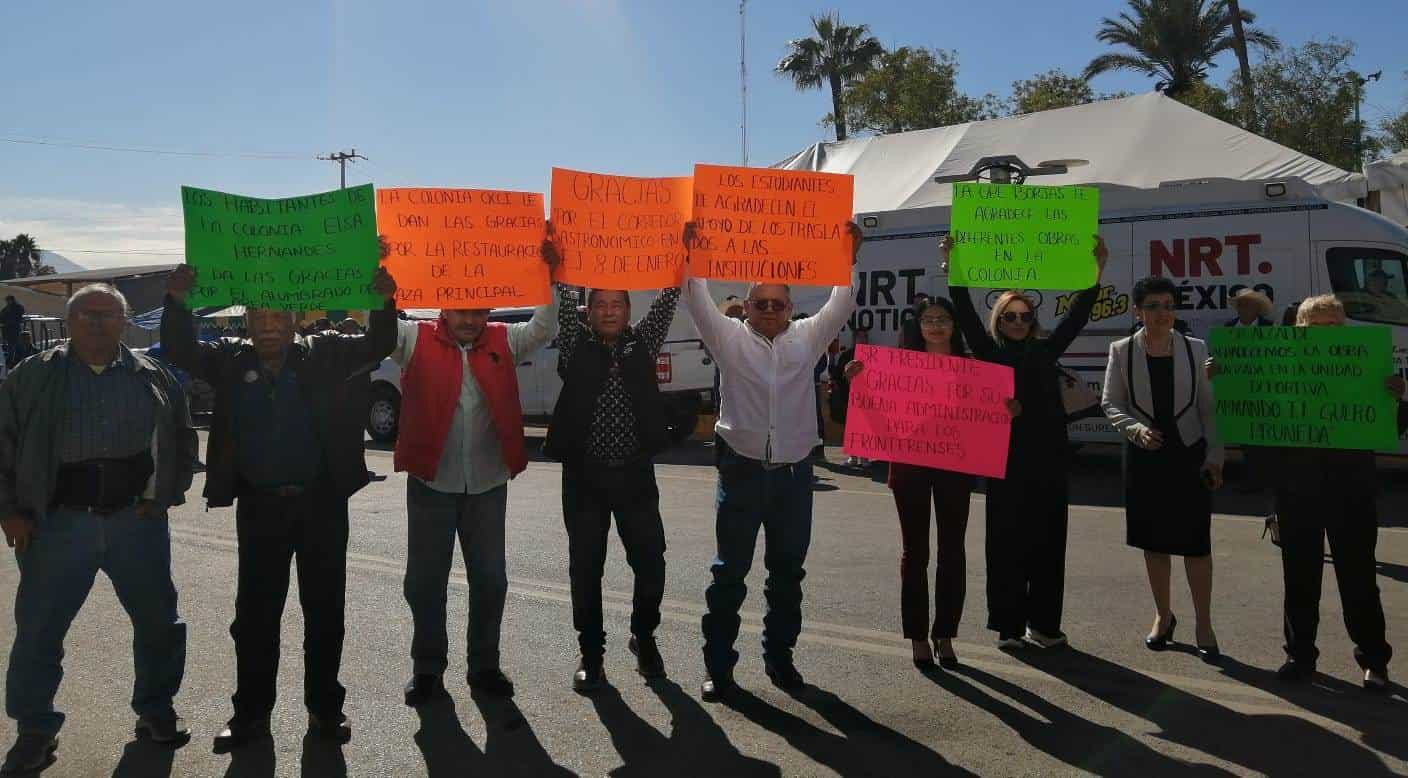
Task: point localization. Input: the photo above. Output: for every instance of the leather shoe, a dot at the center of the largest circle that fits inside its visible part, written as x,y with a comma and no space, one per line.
163,729
589,677
334,728
717,686
783,674
237,734
30,752
1295,671
1160,641
422,689
648,660
491,682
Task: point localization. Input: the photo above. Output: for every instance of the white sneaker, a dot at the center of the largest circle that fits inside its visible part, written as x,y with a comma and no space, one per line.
1046,641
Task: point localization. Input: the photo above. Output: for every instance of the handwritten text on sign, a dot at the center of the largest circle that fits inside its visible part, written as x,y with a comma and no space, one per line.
464,248
618,232
1029,237
923,409
1306,387
299,253
773,226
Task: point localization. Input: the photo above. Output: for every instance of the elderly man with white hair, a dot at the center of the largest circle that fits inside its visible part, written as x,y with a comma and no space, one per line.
96,444
286,446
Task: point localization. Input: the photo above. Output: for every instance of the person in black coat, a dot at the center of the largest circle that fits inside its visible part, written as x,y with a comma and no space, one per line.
1026,510
1331,493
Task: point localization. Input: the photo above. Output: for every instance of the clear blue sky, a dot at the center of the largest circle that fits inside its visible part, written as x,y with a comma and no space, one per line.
478,94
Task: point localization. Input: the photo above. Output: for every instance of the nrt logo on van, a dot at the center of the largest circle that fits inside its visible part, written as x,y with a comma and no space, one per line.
1199,257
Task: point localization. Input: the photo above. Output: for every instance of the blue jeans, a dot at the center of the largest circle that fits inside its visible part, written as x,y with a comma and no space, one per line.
780,502
433,520
57,571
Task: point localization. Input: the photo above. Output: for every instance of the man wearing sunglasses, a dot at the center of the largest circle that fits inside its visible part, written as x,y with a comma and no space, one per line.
765,431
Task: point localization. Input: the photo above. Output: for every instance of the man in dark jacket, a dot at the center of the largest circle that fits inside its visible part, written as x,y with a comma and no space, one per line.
608,423
286,444
95,445
11,320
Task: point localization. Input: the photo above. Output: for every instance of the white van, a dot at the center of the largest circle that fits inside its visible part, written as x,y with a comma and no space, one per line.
1213,238
685,372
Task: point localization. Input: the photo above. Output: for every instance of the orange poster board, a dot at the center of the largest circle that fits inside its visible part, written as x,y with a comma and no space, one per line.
464,248
775,226
619,232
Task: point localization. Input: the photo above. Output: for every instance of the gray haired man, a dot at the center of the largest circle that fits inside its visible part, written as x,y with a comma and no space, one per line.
95,444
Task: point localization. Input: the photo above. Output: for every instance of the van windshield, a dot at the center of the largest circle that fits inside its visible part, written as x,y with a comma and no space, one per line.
1372,283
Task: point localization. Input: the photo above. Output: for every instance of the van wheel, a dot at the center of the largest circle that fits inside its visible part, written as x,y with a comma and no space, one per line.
384,414
681,425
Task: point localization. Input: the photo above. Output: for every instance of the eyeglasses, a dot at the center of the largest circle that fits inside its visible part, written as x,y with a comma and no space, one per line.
1026,317
935,322
99,317
1157,307
775,306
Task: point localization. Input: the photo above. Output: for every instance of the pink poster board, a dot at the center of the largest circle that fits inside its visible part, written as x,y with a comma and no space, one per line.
922,409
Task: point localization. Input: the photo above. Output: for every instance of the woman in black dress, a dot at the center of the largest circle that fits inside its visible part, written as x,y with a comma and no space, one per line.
1158,396
1027,509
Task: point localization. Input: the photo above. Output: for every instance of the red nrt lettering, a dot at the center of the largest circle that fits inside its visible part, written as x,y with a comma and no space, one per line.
1244,245
1161,258
1203,253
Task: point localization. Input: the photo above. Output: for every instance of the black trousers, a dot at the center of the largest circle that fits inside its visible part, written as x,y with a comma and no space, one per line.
272,531
1351,523
1026,554
591,494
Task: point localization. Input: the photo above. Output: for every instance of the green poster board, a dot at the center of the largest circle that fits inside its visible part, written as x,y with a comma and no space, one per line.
1307,387
1023,237
315,252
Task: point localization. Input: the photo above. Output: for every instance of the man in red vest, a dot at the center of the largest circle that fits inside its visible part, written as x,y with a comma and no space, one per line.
461,440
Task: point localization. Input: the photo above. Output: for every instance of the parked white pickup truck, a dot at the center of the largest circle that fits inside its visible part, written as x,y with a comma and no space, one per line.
684,369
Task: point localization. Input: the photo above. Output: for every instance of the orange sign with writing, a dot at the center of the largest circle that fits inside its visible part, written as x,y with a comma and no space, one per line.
619,232
464,248
774,226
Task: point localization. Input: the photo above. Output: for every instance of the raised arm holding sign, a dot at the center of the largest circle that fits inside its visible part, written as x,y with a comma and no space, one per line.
1018,235
619,232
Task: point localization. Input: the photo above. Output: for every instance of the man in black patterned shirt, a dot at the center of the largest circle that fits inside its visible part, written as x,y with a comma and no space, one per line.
608,423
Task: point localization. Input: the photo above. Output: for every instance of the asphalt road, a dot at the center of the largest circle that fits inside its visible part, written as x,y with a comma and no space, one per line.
1105,706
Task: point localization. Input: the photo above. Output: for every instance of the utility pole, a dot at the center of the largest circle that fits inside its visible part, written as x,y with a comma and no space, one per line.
1359,83
743,71
342,158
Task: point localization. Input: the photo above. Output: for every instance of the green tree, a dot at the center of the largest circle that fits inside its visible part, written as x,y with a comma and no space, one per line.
1211,100
837,55
1305,100
1053,89
912,88
1395,133
20,258
1175,41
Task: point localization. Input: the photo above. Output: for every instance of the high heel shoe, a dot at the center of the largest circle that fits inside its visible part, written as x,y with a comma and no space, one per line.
1209,653
946,662
1160,642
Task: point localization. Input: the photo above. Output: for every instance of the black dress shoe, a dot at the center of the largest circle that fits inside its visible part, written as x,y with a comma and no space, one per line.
334,728
30,752
648,660
717,686
1160,642
491,682
925,663
237,734
589,677
1295,671
163,729
783,674
423,689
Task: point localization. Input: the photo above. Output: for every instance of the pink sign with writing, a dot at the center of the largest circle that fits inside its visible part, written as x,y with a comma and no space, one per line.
923,409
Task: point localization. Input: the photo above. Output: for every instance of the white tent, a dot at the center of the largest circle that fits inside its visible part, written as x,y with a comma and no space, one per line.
1389,177
1139,141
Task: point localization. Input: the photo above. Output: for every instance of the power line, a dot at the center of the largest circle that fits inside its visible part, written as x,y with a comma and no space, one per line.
342,158
270,155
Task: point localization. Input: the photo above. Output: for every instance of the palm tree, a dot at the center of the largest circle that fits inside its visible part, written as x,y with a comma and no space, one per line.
1175,41
7,261
1239,37
26,255
835,56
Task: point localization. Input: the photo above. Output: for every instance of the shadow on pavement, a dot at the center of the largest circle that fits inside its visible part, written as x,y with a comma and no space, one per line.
141,758
864,747
1267,744
696,744
1059,733
511,747
255,760
322,758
